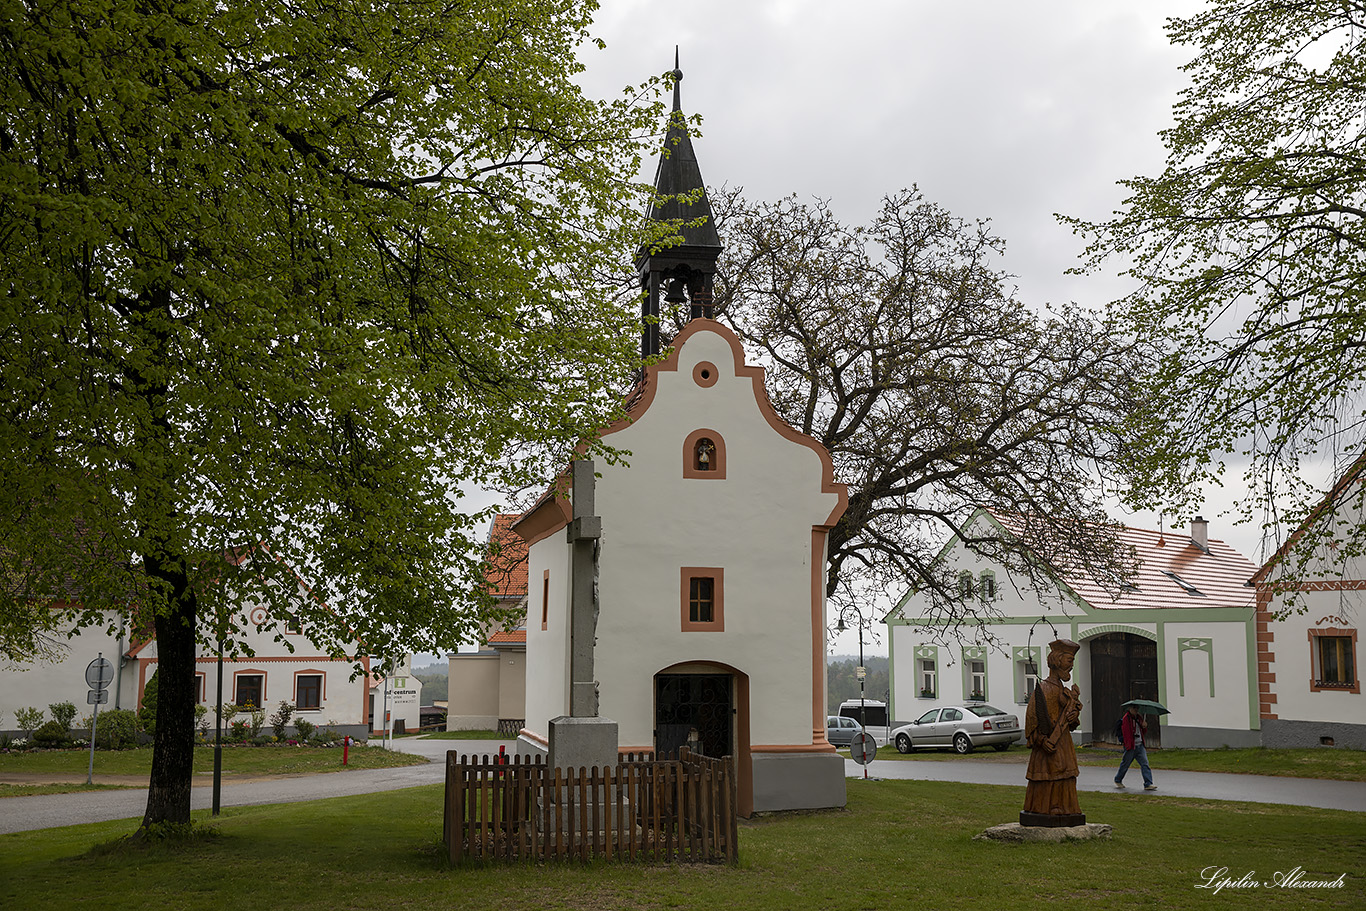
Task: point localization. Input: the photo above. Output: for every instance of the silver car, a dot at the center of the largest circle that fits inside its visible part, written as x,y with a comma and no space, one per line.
840,731
962,727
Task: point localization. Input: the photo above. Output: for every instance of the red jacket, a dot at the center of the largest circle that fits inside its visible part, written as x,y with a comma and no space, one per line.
1127,729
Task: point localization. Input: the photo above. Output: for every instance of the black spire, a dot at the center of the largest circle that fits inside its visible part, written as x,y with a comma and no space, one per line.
689,266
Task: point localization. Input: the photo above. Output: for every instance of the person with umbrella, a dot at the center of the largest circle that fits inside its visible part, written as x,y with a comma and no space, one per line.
1133,728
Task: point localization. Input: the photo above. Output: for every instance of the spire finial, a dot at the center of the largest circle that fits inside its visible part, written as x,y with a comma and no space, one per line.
678,77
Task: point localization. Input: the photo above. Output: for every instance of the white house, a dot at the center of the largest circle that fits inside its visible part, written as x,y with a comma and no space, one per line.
711,581
1309,610
488,687
1182,632
286,667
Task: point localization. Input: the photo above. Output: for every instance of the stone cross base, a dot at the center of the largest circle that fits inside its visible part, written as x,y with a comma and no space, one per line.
582,743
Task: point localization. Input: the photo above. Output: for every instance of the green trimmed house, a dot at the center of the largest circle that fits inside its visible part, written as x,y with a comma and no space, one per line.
1183,631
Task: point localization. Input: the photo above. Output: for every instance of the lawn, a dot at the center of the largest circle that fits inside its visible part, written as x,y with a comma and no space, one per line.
238,761
1335,764
900,844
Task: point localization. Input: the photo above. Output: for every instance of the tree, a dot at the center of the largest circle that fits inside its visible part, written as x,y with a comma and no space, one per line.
902,349
1250,251
279,280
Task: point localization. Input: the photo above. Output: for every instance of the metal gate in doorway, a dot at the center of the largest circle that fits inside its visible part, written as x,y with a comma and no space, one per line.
689,706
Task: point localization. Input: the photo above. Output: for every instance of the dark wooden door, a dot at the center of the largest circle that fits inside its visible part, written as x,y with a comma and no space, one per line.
1123,667
693,702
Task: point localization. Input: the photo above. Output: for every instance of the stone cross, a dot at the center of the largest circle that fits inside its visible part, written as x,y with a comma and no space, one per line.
584,532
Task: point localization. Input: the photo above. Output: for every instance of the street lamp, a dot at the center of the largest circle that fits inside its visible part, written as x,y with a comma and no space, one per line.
862,672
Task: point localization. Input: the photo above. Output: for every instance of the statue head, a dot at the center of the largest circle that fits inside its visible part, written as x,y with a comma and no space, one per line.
1061,654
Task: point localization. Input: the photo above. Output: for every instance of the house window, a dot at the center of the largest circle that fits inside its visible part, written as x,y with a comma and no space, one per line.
988,586
1028,677
308,691
702,605
251,691
701,599
1333,653
977,680
704,456
965,585
928,684
199,682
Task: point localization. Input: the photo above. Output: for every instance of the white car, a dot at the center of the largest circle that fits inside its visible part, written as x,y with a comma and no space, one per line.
962,727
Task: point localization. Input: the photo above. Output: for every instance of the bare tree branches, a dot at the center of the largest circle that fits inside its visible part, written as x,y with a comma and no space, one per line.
900,347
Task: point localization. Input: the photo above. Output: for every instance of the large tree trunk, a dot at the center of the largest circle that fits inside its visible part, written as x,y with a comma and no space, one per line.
168,793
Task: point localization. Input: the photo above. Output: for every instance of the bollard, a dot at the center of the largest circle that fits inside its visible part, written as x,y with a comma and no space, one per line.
346,745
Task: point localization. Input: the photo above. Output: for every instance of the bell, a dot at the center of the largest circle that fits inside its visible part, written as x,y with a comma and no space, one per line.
677,293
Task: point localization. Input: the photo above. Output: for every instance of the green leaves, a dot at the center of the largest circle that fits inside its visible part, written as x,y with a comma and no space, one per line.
291,274
1251,250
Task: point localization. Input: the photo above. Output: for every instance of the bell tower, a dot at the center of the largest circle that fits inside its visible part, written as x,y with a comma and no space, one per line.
682,273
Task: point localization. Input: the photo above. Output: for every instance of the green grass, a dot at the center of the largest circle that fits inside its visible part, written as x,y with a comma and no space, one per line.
900,844
34,790
239,761
1335,764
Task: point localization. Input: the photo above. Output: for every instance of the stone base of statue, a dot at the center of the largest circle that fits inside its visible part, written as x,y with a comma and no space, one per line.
1014,833
1052,820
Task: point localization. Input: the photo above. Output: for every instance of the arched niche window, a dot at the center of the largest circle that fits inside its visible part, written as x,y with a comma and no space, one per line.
704,455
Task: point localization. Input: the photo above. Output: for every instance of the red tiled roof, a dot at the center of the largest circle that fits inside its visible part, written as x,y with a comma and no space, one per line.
516,637
506,570
1220,576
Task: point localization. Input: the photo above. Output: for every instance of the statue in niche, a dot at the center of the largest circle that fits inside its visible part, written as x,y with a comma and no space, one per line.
1054,712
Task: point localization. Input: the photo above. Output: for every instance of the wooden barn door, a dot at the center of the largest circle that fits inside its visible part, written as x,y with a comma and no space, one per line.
1123,667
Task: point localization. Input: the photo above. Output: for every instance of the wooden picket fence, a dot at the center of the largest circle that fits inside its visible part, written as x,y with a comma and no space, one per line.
673,810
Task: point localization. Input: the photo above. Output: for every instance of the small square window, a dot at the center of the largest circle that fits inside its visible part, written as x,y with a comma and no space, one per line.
1334,657
250,691
308,691
702,606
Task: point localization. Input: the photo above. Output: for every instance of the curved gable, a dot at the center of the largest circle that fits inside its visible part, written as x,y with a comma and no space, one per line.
676,359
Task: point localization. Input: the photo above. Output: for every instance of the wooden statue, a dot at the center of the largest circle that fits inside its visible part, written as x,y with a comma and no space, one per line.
1054,712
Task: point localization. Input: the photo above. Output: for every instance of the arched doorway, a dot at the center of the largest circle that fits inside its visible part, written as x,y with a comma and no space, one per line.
712,700
1123,667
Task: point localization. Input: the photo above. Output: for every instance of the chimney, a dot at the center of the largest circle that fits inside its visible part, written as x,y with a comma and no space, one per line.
1200,533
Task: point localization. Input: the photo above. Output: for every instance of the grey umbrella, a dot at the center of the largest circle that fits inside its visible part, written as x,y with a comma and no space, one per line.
1148,707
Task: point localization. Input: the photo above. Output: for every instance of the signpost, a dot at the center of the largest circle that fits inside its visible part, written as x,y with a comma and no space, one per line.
98,675
862,749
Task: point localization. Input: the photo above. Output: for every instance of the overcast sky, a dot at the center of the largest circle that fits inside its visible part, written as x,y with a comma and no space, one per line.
997,109
1005,110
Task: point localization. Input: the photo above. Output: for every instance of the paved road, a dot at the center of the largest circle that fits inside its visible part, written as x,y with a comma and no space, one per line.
1304,792
20,814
